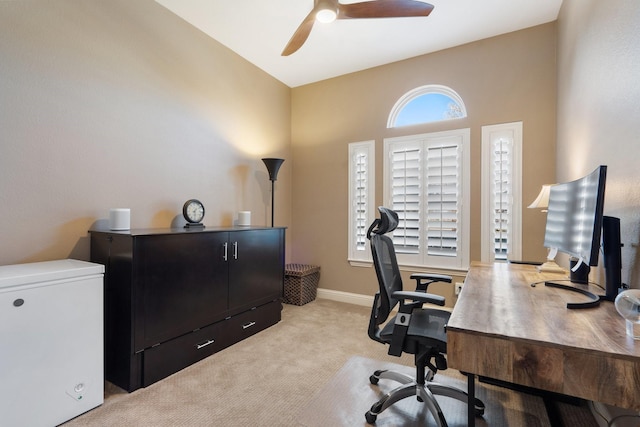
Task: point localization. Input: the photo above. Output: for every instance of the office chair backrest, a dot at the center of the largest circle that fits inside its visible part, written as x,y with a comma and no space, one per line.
386,264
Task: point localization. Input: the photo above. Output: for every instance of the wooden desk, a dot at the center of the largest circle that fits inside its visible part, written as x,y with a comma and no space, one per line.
503,328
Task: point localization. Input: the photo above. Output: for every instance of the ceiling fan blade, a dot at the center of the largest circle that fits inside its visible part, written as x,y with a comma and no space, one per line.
301,34
384,9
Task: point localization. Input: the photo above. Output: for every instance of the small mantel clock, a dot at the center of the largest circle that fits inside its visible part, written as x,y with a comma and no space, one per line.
193,212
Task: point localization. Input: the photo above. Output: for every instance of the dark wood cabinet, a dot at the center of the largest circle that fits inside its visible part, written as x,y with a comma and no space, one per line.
175,296
255,274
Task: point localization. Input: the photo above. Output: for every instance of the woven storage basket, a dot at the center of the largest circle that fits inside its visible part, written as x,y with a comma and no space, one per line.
300,283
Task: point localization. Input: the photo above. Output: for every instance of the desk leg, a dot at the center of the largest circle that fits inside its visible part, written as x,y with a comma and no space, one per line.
471,394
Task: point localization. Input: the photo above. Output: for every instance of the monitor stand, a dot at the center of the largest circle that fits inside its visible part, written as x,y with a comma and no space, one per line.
594,299
579,274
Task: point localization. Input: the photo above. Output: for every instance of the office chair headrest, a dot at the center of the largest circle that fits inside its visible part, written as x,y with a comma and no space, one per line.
387,222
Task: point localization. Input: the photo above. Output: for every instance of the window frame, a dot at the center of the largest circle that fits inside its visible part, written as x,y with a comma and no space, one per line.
356,256
490,133
462,137
420,91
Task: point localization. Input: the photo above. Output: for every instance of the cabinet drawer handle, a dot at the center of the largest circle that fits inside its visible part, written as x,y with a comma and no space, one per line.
225,251
204,344
235,250
248,325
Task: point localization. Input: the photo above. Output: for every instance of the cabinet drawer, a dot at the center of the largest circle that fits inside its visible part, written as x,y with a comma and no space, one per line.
171,356
255,320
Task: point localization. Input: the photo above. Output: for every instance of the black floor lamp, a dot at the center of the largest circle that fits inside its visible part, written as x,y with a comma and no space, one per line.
273,165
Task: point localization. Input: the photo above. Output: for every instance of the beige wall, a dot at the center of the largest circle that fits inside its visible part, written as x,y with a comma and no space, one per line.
599,109
122,104
502,79
116,103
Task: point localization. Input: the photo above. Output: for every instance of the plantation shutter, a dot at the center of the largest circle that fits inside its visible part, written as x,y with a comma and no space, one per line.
501,201
502,196
443,194
427,185
405,197
360,201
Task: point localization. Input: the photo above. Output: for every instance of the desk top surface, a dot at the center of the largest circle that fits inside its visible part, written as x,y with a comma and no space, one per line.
498,300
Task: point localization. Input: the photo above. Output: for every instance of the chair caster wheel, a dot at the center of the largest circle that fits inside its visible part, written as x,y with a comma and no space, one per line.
370,417
373,379
479,408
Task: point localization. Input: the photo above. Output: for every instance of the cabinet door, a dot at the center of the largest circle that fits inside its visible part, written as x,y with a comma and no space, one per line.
181,285
256,267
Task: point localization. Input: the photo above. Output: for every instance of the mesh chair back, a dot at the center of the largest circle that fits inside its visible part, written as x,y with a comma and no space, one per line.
385,262
389,280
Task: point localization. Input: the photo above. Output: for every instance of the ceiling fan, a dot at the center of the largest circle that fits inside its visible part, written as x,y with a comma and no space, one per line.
327,11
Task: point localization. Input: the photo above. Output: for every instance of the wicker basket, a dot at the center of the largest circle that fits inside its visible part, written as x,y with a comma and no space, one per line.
300,283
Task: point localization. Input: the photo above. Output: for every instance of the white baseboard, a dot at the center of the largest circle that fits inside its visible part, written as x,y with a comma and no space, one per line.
348,297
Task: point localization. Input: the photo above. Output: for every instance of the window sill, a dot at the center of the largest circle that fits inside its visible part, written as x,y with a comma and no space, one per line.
360,263
415,268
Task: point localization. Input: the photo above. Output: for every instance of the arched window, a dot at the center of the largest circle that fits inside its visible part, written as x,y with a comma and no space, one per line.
425,104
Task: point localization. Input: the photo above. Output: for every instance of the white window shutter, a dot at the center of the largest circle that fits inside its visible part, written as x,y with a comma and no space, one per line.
406,189
502,154
426,184
361,200
361,197
501,233
442,200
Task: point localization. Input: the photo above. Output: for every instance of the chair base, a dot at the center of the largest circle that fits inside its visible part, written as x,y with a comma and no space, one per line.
423,392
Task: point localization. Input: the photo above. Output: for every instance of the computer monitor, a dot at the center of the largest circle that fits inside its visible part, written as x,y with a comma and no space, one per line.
575,223
574,227
574,220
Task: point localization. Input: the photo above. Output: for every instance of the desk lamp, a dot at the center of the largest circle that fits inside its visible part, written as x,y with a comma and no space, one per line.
273,166
542,202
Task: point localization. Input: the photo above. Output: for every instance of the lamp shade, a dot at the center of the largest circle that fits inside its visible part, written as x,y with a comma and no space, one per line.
273,166
542,201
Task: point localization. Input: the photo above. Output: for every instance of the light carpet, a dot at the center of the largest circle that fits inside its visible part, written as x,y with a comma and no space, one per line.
300,372
344,400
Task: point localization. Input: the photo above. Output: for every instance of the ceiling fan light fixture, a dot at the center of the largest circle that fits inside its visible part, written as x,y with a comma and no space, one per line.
326,16
325,11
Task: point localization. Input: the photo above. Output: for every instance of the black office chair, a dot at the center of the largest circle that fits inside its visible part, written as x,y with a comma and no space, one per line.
415,329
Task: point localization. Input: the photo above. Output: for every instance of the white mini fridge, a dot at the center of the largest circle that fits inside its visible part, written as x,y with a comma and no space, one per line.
51,342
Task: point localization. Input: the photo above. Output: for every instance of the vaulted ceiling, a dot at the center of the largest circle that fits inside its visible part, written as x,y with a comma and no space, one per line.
258,30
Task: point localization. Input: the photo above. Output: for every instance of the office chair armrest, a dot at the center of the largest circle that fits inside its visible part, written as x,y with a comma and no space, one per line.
423,280
421,297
